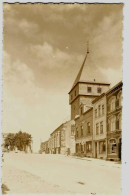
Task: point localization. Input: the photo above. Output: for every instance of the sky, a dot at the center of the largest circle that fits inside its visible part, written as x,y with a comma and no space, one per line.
44,46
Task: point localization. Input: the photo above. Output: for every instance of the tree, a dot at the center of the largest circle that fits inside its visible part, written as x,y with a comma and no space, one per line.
10,141
20,140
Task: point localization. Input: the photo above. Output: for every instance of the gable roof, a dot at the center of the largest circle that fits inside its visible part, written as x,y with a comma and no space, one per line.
89,75
115,87
78,78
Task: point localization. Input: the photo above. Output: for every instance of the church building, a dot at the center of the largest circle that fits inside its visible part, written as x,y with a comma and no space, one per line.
86,87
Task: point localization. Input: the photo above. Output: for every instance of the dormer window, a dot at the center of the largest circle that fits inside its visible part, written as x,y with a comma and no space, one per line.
99,90
89,89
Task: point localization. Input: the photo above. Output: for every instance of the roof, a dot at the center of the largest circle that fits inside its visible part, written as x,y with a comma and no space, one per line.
57,129
92,83
78,116
87,74
79,76
96,99
45,142
115,87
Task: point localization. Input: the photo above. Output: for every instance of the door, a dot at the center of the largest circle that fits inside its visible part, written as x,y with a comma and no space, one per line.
95,149
119,148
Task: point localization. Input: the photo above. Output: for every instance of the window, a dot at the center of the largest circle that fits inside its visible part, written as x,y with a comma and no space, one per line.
77,147
76,132
88,128
117,103
96,113
99,89
81,130
101,127
97,128
118,122
102,109
71,97
119,99
102,147
88,147
72,131
113,146
89,89
63,134
113,123
112,104
75,92
82,148
81,110
99,110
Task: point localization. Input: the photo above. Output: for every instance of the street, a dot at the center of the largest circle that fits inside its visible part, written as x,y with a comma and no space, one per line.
47,173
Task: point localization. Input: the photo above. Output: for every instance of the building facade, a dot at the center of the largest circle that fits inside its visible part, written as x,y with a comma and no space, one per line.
114,122
68,138
62,140
100,127
84,134
44,147
55,141
95,126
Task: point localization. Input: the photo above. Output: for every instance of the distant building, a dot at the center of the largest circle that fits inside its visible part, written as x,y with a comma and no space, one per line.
55,141
62,139
100,127
84,134
114,122
85,88
44,147
68,138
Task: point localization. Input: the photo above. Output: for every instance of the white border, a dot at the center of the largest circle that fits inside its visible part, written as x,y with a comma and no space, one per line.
1,49
65,1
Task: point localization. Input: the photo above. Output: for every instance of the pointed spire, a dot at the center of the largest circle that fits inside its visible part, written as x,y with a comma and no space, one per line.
81,69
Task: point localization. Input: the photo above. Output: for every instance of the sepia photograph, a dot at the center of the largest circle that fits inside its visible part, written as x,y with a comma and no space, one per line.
62,98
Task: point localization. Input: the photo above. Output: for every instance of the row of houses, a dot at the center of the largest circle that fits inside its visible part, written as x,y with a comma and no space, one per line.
98,130
96,114
61,141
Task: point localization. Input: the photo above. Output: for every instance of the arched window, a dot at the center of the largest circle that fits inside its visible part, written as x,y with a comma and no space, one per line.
112,123
112,146
119,122
119,99
112,103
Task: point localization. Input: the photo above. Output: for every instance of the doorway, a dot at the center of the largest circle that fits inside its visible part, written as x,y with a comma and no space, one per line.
119,148
95,149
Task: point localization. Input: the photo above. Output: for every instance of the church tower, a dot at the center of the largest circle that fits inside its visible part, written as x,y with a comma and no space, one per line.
86,87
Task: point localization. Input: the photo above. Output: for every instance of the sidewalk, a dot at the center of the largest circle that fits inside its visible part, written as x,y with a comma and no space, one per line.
94,161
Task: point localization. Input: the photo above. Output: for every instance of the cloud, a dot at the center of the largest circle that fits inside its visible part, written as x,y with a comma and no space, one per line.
27,27
43,51
27,107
